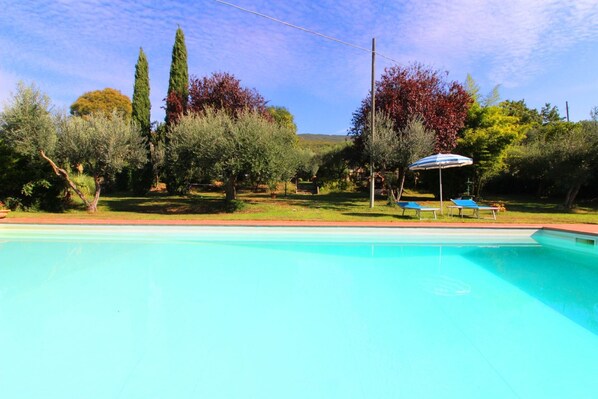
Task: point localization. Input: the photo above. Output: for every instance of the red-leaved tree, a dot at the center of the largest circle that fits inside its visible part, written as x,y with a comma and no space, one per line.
175,107
417,90
222,91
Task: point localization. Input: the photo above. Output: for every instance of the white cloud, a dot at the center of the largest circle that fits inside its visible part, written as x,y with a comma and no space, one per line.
513,37
83,45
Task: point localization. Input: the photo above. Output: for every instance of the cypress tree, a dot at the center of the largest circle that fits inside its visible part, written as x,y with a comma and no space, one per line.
140,180
141,92
178,83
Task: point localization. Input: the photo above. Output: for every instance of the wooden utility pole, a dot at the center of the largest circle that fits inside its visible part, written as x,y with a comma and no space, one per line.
373,125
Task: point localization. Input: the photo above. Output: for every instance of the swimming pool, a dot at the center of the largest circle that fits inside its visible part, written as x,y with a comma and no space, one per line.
188,312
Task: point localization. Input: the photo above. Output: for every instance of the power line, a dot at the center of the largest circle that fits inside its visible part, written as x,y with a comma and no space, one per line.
305,29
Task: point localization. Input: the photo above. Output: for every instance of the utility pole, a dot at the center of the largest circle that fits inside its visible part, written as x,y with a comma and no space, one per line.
567,109
373,125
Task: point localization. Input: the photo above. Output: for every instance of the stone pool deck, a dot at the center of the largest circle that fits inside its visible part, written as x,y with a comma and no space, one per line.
578,228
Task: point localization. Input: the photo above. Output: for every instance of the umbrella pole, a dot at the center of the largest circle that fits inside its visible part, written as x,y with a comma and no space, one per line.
440,176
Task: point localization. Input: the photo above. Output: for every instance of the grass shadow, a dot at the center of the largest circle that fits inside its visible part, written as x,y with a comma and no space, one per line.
168,205
331,201
367,214
531,205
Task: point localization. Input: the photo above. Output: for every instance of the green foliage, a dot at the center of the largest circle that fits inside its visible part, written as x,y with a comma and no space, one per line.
415,142
104,101
335,168
561,154
213,144
29,188
308,163
234,206
85,183
312,150
191,149
15,170
487,139
176,103
493,98
393,152
102,144
283,117
403,94
489,132
473,89
321,143
39,193
382,147
550,114
527,116
178,81
179,70
284,160
141,106
141,179
26,126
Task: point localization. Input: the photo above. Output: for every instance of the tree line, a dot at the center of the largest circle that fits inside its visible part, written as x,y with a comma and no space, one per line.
217,130
515,149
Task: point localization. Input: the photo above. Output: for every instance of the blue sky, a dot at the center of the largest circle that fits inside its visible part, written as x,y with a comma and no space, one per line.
537,50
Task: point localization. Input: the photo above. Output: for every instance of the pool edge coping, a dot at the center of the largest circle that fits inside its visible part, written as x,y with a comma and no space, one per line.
590,229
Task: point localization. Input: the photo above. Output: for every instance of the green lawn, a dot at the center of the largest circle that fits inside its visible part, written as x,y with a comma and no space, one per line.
325,207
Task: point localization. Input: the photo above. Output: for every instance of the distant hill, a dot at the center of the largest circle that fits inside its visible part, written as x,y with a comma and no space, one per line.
322,142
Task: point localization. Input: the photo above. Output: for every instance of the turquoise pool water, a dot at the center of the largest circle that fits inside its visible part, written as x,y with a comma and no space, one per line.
173,312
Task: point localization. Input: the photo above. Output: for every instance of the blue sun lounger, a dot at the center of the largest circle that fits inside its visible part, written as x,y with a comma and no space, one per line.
471,204
416,207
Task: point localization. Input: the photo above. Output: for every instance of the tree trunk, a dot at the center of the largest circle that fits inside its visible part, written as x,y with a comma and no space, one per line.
64,174
390,181
390,194
231,188
93,206
402,175
478,188
571,194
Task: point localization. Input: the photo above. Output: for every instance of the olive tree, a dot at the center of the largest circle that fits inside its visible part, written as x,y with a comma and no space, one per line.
392,152
102,144
215,144
559,154
192,149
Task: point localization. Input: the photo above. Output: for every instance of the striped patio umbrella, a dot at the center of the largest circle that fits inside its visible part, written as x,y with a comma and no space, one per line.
440,161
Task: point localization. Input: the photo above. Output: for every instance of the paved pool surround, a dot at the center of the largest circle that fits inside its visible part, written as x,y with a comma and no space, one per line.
568,227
